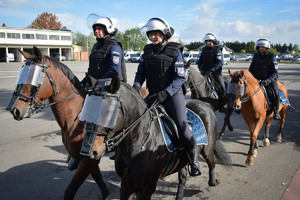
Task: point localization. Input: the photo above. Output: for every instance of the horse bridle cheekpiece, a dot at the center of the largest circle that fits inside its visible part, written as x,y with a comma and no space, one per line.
99,110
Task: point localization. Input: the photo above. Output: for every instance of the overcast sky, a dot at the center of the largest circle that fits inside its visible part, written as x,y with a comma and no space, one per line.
230,20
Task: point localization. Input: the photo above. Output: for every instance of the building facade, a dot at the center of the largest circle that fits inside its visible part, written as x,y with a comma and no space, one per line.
53,43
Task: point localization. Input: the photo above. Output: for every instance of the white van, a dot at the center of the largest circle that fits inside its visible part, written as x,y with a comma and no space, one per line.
226,56
11,57
129,54
187,55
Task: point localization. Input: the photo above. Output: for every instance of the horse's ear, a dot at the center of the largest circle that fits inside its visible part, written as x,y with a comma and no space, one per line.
25,54
188,64
37,54
115,85
230,72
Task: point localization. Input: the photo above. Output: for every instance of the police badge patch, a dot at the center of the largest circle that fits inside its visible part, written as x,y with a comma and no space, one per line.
116,59
180,71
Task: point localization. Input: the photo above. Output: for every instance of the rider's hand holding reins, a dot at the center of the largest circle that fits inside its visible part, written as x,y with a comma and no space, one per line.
162,95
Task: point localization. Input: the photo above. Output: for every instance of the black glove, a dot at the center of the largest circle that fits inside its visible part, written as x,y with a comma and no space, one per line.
162,95
203,72
137,89
264,82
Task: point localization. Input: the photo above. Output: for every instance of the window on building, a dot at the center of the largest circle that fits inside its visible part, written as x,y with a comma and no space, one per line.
53,37
13,35
41,37
27,36
65,37
2,35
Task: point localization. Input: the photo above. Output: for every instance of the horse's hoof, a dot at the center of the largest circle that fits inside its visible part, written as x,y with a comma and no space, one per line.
279,140
266,142
221,136
214,182
249,162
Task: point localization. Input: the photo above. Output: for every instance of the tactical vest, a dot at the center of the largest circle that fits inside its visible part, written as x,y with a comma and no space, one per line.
262,65
159,73
99,61
209,56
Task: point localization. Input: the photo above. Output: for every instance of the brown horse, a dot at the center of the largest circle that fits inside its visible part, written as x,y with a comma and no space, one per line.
251,101
43,78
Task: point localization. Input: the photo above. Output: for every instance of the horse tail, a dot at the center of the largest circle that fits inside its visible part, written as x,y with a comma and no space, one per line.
221,155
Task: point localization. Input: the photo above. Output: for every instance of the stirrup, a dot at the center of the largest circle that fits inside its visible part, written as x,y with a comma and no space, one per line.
194,169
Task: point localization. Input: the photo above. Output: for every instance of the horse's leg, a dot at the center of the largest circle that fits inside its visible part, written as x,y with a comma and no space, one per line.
254,130
283,112
226,123
208,154
97,176
266,140
85,167
182,174
126,192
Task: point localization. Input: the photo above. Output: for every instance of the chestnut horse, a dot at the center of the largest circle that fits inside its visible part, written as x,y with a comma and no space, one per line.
201,89
43,78
251,101
142,157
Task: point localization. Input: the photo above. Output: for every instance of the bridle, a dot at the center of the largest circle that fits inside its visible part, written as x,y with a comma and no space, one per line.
36,107
244,97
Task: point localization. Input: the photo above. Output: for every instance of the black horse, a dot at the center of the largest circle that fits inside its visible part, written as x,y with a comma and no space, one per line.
141,155
202,88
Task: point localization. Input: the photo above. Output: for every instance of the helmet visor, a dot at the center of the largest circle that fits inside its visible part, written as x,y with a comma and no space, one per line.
153,25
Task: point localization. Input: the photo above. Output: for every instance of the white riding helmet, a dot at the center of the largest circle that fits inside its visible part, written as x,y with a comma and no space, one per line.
157,24
263,42
210,36
93,20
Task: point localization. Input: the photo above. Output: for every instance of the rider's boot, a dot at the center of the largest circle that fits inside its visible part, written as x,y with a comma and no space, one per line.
276,107
73,164
191,149
221,105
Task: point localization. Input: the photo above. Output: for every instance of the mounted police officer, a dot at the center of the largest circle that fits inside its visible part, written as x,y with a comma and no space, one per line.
162,67
106,59
264,67
211,61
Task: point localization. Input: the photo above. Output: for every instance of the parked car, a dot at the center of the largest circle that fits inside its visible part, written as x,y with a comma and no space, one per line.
58,56
285,57
189,55
194,60
136,57
129,54
296,58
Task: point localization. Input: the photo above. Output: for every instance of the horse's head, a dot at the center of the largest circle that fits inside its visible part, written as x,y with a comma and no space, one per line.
236,88
32,86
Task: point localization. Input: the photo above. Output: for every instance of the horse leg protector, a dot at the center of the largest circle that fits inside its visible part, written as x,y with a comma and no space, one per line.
251,148
182,174
267,132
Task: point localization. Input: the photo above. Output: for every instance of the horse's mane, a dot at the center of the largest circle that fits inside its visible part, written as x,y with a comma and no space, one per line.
249,76
68,73
137,96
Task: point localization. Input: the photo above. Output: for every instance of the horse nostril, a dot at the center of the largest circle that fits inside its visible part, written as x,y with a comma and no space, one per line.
16,113
94,155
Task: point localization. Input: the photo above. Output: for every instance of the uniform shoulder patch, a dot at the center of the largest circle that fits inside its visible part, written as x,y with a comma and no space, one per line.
116,59
180,71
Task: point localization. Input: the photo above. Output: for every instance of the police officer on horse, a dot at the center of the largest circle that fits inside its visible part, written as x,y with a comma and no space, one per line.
264,67
162,67
211,61
107,58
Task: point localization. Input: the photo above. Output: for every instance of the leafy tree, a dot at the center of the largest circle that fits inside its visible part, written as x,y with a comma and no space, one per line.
194,45
46,21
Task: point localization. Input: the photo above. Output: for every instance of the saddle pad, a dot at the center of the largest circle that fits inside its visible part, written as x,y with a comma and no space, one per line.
197,126
283,98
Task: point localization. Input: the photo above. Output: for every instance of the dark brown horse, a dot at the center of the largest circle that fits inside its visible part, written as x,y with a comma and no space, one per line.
43,78
201,88
142,157
250,99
